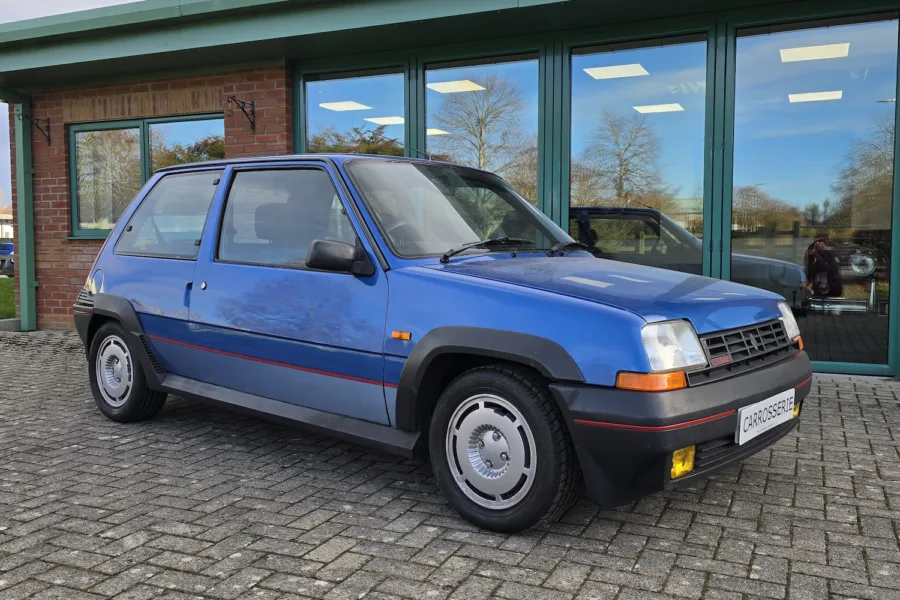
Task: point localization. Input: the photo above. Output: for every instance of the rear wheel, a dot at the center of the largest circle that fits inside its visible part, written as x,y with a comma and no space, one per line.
500,450
117,379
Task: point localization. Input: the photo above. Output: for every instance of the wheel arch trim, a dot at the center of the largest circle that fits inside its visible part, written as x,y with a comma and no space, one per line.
545,356
119,309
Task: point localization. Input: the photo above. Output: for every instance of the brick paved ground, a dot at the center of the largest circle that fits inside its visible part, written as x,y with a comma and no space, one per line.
204,503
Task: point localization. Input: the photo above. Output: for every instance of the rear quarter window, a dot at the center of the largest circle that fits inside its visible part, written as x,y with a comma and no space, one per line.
169,222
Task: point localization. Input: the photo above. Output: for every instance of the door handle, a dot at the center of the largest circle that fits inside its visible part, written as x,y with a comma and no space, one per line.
187,293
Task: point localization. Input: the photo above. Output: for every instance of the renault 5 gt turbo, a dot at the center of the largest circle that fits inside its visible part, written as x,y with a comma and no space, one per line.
428,310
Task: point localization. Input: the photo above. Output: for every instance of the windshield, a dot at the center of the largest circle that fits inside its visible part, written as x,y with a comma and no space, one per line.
426,209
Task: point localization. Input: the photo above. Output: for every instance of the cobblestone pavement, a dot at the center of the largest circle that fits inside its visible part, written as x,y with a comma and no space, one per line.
201,502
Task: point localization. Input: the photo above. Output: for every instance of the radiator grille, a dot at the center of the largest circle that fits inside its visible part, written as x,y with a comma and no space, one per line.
740,350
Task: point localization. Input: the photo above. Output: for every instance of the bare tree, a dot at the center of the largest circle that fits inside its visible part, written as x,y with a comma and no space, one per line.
812,213
623,158
484,126
864,185
521,173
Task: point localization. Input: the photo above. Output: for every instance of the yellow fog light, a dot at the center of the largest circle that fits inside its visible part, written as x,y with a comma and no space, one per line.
683,461
796,409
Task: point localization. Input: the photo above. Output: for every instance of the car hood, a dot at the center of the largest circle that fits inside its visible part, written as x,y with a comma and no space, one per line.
653,294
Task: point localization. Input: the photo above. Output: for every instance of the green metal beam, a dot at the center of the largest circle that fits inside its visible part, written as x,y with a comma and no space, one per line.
25,223
294,20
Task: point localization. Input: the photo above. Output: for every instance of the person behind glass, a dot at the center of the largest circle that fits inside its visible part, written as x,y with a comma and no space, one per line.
823,270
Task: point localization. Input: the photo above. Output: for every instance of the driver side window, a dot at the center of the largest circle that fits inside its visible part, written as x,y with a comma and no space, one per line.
272,216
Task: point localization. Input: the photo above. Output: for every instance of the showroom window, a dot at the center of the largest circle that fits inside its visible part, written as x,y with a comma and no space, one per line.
110,162
812,194
360,114
637,167
485,115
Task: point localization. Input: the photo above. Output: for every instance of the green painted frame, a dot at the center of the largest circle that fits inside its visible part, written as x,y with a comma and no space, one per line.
143,127
25,266
554,50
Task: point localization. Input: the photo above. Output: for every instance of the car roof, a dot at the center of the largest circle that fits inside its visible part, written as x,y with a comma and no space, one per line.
334,157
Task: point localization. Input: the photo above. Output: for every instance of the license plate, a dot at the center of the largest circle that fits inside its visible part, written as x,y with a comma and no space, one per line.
762,416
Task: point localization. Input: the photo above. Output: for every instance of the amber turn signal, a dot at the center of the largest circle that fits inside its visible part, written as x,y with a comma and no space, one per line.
403,336
651,382
796,409
799,341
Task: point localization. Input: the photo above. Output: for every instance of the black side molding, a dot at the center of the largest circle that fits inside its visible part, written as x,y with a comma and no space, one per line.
379,437
546,356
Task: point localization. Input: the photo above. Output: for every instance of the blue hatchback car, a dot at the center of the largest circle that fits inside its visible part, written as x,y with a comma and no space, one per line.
426,309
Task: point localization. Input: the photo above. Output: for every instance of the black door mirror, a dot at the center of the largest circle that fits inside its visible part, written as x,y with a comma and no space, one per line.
339,257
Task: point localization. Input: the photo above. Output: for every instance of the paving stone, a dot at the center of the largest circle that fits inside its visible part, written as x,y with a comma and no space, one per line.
206,502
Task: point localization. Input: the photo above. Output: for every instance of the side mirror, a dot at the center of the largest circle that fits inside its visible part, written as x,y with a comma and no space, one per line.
339,257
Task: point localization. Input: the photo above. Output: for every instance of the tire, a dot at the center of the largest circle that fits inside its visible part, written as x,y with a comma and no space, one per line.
117,379
500,413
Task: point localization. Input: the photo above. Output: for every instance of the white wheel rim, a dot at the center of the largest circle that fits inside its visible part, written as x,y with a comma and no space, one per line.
115,375
491,452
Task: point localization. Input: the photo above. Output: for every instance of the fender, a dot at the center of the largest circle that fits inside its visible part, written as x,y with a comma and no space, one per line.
546,356
121,310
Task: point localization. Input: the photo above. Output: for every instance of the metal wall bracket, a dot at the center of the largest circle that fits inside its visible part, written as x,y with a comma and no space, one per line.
38,126
248,108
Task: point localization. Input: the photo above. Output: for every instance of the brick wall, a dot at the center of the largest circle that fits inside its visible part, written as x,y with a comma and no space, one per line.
62,264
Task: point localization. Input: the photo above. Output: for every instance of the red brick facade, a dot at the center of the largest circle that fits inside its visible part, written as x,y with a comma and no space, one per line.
62,264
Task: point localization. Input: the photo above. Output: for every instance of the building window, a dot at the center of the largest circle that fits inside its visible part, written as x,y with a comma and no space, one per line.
636,175
485,115
813,188
110,162
362,114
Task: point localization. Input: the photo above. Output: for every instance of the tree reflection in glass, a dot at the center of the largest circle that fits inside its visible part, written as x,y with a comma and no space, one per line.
485,116
356,114
636,174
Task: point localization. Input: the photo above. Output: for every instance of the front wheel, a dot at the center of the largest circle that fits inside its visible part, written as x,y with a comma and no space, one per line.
117,380
501,451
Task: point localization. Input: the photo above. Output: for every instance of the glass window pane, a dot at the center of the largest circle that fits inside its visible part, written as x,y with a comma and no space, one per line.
271,217
636,176
486,116
108,175
813,180
170,220
356,114
182,142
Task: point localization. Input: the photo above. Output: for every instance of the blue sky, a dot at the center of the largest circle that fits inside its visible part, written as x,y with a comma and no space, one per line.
676,74
795,150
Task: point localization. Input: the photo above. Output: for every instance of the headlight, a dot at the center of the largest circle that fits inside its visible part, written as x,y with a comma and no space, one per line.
863,263
790,323
672,345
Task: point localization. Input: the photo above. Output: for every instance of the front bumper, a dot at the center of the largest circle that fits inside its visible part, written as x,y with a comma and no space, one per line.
624,439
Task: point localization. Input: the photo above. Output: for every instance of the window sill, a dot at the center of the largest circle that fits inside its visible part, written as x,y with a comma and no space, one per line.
89,236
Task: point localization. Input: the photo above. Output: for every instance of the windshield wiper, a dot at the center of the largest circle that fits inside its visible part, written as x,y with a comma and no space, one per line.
563,245
497,241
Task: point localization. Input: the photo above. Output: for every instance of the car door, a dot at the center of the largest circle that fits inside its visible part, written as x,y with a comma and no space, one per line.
269,325
155,256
